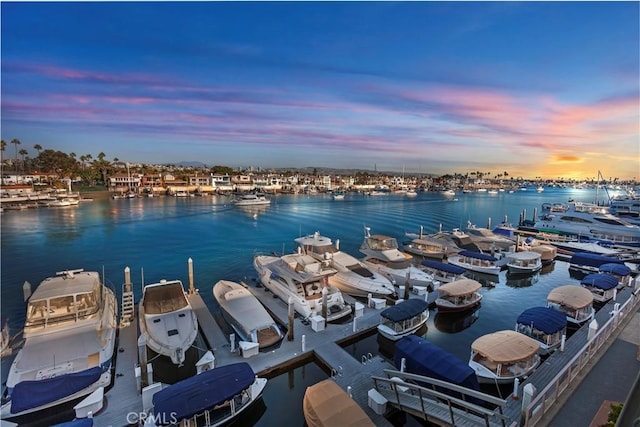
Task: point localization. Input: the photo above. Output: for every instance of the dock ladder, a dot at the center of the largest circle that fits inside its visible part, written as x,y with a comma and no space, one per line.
127,312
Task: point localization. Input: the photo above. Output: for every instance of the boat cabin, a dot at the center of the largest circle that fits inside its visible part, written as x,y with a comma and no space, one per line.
459,295
403,318
442,271
602,286
574,301
165,297
543,324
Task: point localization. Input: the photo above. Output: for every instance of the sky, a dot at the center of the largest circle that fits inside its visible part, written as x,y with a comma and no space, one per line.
534,89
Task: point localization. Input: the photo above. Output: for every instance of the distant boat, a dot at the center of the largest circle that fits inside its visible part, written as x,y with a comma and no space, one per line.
215,397
167,321
338,196
574,301
252,199
326,404
246,315
503,356
545,325
411,193
448,193
460,295
403,319
527,262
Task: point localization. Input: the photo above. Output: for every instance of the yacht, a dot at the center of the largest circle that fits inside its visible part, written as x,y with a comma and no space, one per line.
69,340
248,318
252,199
303,279
353,277
167,321
437,246
590,221
382,255
489,242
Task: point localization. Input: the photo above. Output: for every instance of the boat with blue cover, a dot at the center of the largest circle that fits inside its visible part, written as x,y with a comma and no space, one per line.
212,398
587,262
403,319
69,340
543,324
602,286
443,272
621,272
476,261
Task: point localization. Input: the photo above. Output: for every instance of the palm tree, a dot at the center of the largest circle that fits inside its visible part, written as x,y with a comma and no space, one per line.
16,142
38,148
23,153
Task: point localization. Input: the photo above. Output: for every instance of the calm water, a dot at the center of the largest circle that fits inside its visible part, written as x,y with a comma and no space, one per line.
155,237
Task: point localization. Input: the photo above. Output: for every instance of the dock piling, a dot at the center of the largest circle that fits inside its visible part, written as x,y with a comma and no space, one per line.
192,289
290,318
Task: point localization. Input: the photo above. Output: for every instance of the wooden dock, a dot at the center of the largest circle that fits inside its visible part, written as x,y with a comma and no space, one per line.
308,345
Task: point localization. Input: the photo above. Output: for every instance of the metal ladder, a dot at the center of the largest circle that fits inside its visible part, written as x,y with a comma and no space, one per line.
127,312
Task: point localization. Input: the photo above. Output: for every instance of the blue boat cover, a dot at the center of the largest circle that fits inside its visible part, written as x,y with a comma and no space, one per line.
600,280
196,394
429,360
592,260
478,255
80,422
405,310
544,319
448,268
613,268
31,394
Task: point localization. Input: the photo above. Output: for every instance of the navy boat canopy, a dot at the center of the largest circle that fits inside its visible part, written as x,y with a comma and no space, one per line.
448,268
613,268
592,260
545,319
429,360
600,280
405,310
477,255
31,394
196,394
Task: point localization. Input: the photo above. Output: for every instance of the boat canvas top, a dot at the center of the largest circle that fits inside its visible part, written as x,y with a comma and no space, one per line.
243,305
441,266
505,346
326,404
196,394
544,319
524,256
405,310
427,359
67,283
600,280
573,296
615,268
477,255
592,260
459,287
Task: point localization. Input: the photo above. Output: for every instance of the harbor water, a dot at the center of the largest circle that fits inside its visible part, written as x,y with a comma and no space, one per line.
155,237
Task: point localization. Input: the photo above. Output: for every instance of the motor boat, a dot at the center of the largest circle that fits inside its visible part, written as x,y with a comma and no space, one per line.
545,325
168,324
403,319
353,277
246,315
69,340
476,261
460,295
305,281
526,262
575,302
252,199
326,404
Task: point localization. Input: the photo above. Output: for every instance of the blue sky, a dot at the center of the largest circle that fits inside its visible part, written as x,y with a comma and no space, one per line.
536,88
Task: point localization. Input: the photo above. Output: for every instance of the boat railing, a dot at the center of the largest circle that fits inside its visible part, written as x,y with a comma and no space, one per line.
544,400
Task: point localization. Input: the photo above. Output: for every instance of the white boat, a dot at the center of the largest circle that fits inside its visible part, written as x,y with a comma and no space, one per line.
443,272
448,193
303,279
214,397
252,199
69,339
246,315
338,196
326,404
411,193
590,221
547,252
403,319
382,255
439,245
545,325
476,261
489,242
602,286
526,262
353,277
5,337
460,295
503,356
167,321
574,301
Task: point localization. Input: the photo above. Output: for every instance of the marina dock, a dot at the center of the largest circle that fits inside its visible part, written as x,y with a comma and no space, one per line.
321,344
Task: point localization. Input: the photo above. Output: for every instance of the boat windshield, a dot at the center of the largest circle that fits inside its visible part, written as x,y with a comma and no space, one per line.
63,308
378,243
164,298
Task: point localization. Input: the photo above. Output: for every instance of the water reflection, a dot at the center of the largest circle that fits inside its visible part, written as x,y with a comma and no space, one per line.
486,280
548,268
522,280
253,211
451,323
